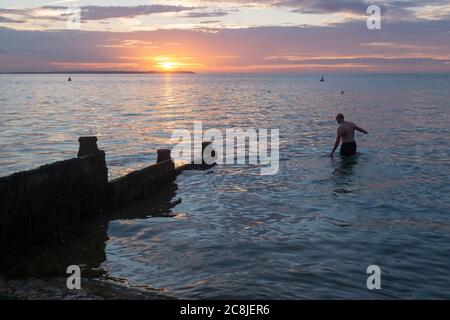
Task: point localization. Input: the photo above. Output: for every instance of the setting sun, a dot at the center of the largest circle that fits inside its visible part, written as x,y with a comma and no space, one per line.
168,65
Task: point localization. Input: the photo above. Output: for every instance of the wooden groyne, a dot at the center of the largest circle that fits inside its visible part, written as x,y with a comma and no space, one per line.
37,203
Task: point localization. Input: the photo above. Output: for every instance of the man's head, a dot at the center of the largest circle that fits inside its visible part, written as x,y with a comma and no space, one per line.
340,118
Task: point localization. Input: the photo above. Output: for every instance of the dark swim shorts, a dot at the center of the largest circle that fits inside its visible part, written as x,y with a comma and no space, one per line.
348,149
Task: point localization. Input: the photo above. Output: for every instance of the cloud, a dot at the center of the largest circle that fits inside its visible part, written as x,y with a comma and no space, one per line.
331,12
11,11
390,45
402,46
309,6
108,12
412,9
326,6
206,14
9,20
91,12
367,59
209,21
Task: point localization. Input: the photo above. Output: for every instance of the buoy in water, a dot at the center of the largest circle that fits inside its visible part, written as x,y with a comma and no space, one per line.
70,79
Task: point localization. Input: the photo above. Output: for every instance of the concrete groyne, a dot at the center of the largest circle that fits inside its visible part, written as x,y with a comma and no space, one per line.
37,203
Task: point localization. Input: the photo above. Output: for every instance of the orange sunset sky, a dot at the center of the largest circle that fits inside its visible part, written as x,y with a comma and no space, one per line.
224,36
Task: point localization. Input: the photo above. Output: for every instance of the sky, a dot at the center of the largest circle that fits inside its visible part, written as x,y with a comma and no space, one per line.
224,36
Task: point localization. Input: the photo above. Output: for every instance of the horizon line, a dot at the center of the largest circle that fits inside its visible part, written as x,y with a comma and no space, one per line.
218,72
98,72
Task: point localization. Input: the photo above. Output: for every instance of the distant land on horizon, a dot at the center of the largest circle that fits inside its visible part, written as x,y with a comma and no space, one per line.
98,72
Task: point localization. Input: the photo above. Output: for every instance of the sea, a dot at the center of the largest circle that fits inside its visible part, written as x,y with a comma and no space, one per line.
310,231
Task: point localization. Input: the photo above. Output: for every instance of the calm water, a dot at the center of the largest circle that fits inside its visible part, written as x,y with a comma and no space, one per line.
308,232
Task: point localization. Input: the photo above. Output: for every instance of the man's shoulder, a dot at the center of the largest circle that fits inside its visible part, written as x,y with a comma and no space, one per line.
346,124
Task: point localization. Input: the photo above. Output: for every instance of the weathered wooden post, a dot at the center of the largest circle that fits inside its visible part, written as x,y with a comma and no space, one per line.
35,204
88,146
163,155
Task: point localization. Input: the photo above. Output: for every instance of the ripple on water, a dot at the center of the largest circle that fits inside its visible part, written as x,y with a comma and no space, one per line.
310,231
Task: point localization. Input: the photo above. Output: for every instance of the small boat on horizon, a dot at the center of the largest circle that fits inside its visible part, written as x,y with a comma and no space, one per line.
322,79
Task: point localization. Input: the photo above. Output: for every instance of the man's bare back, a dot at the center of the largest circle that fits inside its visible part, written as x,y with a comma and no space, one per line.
346,133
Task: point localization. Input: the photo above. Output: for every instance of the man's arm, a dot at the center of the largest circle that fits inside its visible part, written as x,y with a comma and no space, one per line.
360,129
336,143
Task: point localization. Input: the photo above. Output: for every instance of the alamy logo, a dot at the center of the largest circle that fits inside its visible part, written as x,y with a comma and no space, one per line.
374,18
230,148
74,280
374,280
